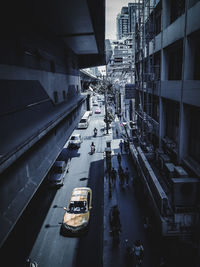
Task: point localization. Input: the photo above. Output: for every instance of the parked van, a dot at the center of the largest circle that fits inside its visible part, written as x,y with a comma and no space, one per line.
84,122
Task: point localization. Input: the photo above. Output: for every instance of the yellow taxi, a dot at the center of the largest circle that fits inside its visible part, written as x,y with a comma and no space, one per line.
77,215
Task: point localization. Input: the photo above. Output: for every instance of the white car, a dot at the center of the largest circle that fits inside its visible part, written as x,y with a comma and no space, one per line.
57,174
95,103
75,141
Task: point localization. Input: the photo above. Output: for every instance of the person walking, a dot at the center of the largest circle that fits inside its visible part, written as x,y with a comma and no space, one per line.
113,175
121,146
127,175
117,133
121,175
119,158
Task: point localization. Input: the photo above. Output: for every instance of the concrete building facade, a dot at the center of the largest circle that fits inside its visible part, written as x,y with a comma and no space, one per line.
43,46
168,77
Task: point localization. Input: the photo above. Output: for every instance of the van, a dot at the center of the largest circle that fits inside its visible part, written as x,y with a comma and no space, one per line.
84,122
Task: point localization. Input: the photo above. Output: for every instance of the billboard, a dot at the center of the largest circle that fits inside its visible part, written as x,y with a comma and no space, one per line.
130,91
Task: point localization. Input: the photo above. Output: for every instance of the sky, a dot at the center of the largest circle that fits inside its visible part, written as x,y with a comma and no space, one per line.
113,7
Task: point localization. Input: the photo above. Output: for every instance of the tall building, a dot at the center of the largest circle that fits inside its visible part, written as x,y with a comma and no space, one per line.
122,23
126,19
132,7
167,39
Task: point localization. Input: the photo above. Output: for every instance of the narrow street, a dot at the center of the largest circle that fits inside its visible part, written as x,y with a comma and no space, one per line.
40,227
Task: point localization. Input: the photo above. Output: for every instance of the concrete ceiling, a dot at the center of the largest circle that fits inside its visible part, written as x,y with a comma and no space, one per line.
79,23
71,20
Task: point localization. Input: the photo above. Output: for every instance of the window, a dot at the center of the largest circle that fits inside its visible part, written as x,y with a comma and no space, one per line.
175,55
197,60
55,96
172,120
194,133
64,94
177,9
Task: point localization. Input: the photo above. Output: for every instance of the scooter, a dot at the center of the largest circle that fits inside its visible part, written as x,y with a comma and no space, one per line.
30,263
115,228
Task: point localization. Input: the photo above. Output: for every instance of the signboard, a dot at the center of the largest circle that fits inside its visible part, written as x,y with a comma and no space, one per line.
130,91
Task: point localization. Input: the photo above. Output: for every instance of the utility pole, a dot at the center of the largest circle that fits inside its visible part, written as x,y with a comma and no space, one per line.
105,96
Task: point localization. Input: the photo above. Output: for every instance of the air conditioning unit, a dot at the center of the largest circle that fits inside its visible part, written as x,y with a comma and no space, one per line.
169,169
163,158
185,191
179,172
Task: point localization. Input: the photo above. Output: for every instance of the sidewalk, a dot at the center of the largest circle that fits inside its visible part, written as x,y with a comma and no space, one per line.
130,212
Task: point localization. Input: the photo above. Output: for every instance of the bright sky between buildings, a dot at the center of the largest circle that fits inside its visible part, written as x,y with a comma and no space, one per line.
113,7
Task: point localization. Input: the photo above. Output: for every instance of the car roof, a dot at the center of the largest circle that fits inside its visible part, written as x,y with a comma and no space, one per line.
76,135
58,163
80,194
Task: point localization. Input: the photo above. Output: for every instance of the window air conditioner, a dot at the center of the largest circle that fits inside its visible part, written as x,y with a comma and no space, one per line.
185,191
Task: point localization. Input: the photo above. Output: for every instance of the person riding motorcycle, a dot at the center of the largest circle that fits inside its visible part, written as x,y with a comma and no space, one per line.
92,148
30,263
95,131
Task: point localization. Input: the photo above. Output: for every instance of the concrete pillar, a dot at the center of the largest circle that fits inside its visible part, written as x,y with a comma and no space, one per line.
166,13
189,59
164,65
161,122
184,133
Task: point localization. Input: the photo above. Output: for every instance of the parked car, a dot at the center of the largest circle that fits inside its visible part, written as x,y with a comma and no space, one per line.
98,111
95,103
75,141
57,174
77,215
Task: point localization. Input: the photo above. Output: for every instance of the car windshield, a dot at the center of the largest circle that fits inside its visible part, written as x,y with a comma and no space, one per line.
74,138
83,121
77,207
57,169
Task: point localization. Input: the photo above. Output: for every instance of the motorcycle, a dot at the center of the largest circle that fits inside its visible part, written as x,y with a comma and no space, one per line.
95,133
115,226
30,263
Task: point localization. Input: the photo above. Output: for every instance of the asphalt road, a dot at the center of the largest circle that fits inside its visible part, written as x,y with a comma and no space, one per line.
53,249
37,234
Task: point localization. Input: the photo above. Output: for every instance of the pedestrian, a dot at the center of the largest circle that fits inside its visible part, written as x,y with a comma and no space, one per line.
127,175
119,158
116,132
109,170
126,145
121,146
121,175
113,175
138,252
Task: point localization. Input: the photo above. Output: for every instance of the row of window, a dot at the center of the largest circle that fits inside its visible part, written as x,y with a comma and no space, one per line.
64,95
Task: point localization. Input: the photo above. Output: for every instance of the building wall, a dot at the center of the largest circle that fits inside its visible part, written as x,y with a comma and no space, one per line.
40,105
179,87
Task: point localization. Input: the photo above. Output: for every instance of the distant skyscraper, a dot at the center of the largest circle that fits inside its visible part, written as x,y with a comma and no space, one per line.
126,20
131,12
122,23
